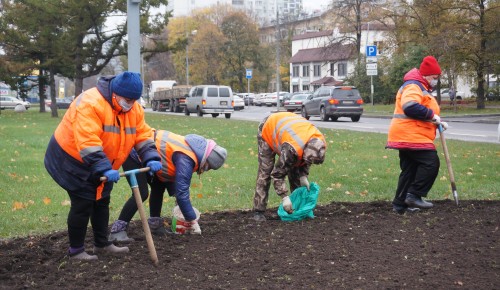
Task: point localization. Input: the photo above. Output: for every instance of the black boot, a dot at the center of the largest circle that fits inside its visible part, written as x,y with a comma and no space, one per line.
402,209
413,200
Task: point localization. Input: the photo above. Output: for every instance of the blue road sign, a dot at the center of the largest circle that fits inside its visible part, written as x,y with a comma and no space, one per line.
249,73
371,50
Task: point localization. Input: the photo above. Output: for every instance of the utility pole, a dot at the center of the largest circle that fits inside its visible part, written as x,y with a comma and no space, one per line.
278,42
133,30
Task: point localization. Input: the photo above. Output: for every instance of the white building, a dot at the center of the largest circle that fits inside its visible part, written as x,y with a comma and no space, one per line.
320,58
262,11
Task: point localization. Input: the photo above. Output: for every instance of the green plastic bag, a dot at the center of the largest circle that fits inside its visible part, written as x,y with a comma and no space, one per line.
303,202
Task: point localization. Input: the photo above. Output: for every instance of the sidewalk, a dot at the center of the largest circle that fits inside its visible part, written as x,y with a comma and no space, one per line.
479,118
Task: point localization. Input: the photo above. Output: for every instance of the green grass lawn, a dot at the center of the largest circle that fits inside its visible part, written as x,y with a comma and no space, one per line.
357,169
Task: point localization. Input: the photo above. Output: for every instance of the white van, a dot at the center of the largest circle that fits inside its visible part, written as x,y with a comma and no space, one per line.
210,99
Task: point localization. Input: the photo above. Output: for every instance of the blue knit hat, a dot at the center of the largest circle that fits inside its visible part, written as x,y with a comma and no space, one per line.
127,85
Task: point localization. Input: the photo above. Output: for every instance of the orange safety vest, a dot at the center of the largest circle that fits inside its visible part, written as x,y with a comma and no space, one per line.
167,144
406,132
91,125
290,128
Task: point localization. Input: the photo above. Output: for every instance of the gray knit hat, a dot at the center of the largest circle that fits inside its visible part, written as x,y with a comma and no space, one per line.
314,151
217,157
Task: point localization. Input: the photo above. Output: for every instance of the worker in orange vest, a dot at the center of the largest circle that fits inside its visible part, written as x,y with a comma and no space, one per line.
298,144
92,141
412,132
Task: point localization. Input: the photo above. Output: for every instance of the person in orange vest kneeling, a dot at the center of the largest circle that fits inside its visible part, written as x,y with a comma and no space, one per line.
298,144
94,138
181,156
412,131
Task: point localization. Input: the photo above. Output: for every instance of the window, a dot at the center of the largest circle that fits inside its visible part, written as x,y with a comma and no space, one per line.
296,71
317,70
342,69
332,69
305,88
224,92
212,92
305,71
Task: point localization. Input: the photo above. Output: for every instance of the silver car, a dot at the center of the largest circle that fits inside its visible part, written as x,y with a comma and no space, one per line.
7,102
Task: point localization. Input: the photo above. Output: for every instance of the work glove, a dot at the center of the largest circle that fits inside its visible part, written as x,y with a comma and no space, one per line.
444,125
436,119
194,228
287,204
304,182
112,175
154,166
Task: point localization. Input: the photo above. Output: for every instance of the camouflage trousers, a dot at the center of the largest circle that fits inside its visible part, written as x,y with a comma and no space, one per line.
268,171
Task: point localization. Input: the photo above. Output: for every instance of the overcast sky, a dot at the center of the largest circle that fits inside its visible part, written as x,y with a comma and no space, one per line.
311,5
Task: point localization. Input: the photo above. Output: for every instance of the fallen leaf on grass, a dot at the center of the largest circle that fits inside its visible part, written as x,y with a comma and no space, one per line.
18,205
46,201
65,202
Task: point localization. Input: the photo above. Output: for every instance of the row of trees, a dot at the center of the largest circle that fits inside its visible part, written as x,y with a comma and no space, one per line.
462,34
68,38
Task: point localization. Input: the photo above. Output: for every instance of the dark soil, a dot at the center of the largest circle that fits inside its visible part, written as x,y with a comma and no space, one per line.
353,246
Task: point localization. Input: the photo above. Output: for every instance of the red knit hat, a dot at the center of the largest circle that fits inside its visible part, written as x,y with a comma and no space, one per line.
429,66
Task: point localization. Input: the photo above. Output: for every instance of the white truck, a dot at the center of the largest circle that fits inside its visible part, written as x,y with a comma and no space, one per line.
166,95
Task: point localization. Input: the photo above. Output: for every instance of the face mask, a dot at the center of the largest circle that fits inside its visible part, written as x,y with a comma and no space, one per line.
434,83
125,106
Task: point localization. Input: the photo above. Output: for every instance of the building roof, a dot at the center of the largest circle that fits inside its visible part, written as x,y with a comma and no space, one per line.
321,54
313,34
327,81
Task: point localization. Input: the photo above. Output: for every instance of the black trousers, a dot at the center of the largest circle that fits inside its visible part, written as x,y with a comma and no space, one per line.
130,208
81,211
419,169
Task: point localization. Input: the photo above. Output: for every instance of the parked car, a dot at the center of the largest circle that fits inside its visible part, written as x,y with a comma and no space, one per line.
257,100
445,95
295,102
8,102
210,99
333,102
270,100
248,98
239,103
60,103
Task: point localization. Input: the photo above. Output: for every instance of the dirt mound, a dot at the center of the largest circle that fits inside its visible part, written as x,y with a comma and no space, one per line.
347,245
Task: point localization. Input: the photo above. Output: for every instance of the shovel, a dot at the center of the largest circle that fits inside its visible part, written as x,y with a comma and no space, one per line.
448,163
138,200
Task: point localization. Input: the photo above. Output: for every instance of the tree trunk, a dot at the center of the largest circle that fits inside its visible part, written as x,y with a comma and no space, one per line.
41,90
52,83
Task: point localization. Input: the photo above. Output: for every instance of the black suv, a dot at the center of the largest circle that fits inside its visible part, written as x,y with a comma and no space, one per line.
332,102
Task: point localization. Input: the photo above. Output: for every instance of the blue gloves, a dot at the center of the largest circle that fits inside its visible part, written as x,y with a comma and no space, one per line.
112,175
154,166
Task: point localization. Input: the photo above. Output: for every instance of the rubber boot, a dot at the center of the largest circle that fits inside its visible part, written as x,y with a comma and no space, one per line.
413,200
83,256
111,250
156,226
119,232
259,216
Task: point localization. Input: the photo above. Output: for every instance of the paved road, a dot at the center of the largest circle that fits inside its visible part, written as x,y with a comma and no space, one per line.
478,129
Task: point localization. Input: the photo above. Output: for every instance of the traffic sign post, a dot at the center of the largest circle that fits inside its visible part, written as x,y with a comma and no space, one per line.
249,76
371,66
371,50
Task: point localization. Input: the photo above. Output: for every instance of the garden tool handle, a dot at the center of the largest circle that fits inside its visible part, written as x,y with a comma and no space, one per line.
448,163
133,171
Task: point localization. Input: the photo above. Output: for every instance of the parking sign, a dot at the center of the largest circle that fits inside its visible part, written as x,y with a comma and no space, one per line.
249,73
371,50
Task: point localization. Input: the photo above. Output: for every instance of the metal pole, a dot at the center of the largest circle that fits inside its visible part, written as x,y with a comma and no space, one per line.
371,94
278,37
133,30
248,85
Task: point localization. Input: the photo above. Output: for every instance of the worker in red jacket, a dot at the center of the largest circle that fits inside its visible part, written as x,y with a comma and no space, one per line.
93,139
412,132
